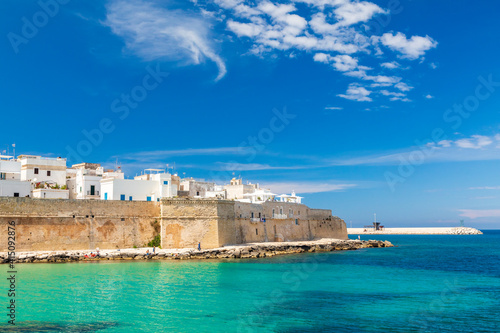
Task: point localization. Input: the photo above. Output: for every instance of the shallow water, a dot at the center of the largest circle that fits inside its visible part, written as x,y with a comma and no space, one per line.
425,284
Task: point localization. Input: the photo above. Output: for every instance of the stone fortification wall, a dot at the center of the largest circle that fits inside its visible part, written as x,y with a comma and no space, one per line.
78,224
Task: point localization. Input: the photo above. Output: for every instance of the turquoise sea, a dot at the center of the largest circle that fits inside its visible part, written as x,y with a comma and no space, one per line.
425,284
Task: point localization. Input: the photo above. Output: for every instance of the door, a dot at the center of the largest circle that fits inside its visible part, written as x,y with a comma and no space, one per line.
92,189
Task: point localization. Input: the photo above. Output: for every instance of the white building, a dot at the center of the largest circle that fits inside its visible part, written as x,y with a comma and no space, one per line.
200,189
84,180
10,179
39,169
290,198
152,186
258,197
50,193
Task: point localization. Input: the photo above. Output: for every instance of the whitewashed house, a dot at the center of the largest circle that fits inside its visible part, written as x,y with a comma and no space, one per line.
84,180
46,174
43,169
290,198
10,179
153,185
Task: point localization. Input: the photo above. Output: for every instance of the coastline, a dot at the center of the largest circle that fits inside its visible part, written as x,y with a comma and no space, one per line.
242,251
416,231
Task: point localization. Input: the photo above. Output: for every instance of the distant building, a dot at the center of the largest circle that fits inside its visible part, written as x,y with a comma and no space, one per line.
290,198
38,169
10,179
237,190
84,180
153,185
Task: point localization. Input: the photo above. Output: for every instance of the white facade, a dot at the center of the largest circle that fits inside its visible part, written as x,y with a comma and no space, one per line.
258,197
14,188
148,187
48,193
9,168
39,169
290,198
10,175
85,180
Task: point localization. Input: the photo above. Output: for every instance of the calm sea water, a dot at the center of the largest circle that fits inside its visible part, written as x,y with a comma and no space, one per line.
425,284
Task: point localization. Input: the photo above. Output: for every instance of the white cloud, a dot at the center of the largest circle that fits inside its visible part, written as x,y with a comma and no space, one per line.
445,143
345,63
154,32
485,188
333,108
391,65
429,96
354,12
479,213
412,48
356,92
330,30
307,186
403,86
474,142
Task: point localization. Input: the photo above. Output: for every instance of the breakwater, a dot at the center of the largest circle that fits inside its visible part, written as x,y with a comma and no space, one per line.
415,231
251,250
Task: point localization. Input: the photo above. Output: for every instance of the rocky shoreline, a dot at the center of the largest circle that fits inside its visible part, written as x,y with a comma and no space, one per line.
252,250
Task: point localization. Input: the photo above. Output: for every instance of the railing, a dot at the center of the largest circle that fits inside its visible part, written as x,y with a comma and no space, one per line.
280,216
255,219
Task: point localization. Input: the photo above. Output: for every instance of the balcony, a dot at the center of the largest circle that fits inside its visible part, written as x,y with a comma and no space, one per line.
254,219
280,216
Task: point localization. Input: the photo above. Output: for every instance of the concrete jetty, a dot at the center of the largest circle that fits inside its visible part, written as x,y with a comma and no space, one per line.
243,251
415,231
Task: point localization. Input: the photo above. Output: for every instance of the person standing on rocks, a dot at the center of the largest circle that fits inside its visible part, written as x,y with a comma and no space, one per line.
199,246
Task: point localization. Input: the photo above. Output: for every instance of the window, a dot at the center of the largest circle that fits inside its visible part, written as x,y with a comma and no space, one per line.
130,198
158,199
297,221
48,173
165,182
273,212
256,231
106,196
281,210
252,214
3,175
259,216
148,198
122,197
35,171
16,195
197,194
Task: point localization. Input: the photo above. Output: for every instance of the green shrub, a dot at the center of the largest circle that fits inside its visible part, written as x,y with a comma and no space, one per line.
155,242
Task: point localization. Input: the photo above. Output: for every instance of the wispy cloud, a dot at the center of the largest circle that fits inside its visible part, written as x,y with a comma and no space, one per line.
411,48
479,213
307,186
160,154
485,188
356,92
333,31
154,32
253,167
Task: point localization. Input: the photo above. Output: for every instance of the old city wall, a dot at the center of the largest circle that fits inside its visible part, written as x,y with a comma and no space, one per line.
187,222
46,225
290,222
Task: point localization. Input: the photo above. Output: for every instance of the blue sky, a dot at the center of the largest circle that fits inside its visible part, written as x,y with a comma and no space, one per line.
387,107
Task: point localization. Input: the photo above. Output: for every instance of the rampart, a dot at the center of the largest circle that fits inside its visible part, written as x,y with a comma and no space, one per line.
49,225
